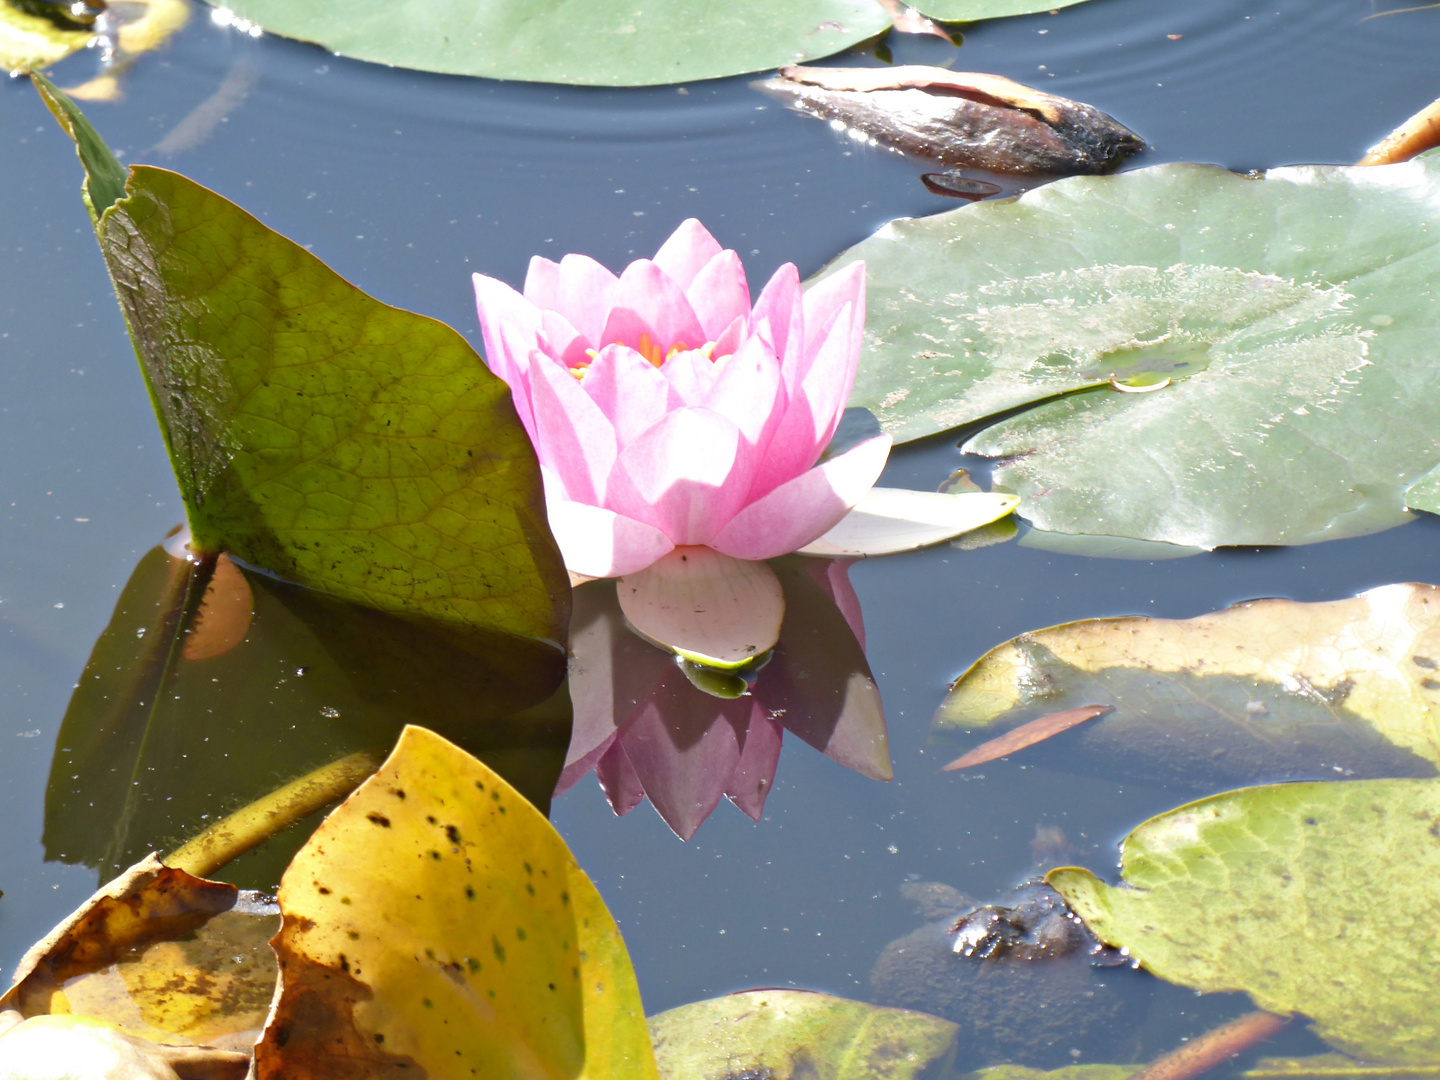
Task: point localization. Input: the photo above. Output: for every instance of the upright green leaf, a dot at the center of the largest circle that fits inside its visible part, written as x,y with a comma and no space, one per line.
104,175
340,443
1292,315
1317,899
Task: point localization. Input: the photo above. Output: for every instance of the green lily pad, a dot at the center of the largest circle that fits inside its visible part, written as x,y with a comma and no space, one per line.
1268,688
1314,898
600,42
799,1033
1293,316
336,441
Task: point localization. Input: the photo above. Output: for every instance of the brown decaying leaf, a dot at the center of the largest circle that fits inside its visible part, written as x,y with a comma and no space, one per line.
964,119
1027,735
148,903
1416,135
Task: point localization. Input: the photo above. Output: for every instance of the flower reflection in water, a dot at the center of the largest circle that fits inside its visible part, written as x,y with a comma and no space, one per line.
648,729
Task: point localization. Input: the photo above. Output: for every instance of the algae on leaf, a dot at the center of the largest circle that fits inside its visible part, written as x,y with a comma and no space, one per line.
801,1033
1293,315
1315,898
1264,689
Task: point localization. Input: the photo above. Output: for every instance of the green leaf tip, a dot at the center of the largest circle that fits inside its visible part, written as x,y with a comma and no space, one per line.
104,175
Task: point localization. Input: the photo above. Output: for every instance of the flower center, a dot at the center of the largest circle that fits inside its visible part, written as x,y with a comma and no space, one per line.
650,351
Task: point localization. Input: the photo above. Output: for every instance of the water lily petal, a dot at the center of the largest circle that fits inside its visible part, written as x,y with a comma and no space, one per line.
687,475
622,787
651,308
562,341
731,338
812,412
799,510
747,390
542,283
691,376
825,298
719,294
600,543
573,437
831,375
705,606
629,390
779,317
511,327
584,294
686,252
684,746
754,773
887,520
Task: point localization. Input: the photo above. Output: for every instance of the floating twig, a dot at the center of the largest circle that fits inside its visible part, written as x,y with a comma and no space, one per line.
1028,735
1216,1047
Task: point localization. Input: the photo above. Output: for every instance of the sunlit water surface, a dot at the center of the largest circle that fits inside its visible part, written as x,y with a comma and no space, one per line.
405,183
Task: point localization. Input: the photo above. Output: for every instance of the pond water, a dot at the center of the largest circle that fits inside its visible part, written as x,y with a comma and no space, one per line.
405,183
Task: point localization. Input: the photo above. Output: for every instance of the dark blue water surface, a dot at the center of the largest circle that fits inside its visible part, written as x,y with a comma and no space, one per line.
406,183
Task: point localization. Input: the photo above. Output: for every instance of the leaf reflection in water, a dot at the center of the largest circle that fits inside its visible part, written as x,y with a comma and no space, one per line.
647,730
161,739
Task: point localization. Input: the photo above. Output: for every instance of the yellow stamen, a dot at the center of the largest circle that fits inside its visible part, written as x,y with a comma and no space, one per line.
579,371
706,349
650,350
678,347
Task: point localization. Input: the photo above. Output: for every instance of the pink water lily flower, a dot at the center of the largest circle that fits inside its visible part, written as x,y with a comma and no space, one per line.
667,412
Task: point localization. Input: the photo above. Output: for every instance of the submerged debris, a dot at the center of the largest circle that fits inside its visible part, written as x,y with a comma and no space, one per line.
959,118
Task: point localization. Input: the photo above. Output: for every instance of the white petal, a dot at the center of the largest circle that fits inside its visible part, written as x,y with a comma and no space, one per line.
887,520
708,607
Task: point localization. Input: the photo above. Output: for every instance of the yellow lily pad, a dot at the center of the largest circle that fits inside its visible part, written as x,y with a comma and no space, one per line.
1270,686
436,921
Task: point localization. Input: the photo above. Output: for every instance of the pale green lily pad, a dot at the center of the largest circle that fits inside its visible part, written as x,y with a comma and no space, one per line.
1268,688
1314,898
314,431
799,1033
32,41
599,42
1294,315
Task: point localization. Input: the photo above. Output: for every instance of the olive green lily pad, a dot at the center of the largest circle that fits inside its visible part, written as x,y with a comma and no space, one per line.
1264,689
336,441
799,1033
599,42
1314,898
1258,352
